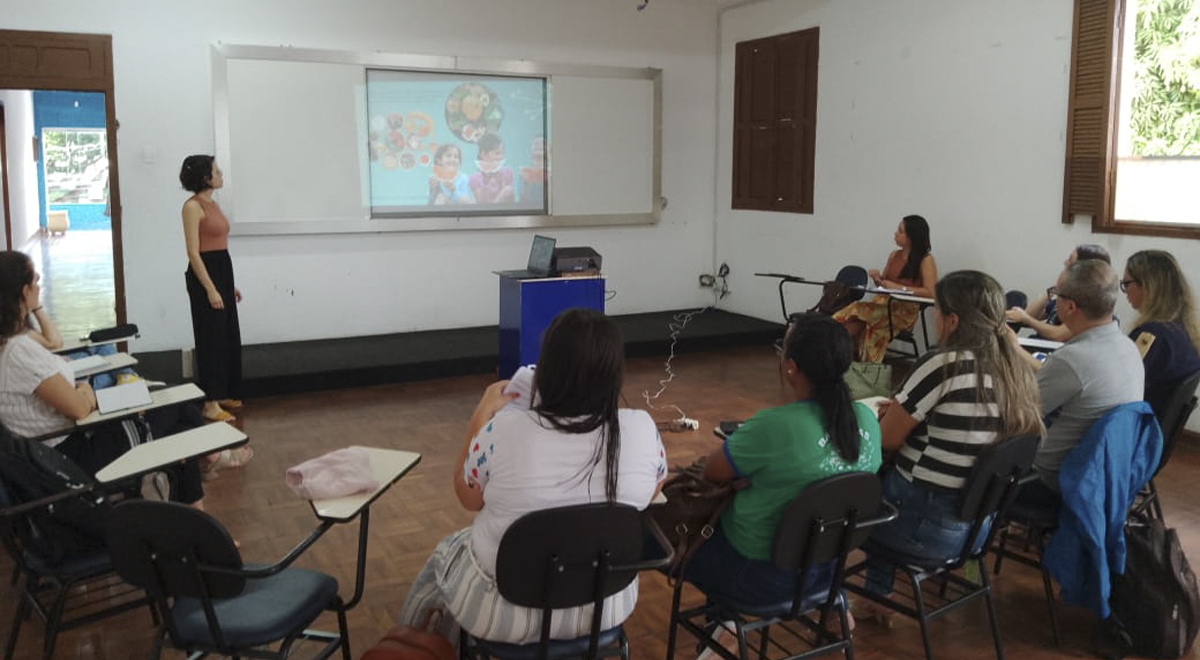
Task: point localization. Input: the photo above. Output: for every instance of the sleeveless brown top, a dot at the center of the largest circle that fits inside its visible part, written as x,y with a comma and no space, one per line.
214,227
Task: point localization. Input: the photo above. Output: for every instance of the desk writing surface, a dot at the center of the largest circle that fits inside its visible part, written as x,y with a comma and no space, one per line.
387,466
70,345
158,398
1039,344
111,363
149,456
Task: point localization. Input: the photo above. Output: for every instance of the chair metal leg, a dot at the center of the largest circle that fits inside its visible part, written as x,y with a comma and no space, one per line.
54,621
156,651
19,615
344,630
1001,550
920,603
1049,589
843,615
741,637
991,607
674,627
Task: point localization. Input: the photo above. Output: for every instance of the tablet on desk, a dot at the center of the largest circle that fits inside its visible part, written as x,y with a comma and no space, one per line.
120,397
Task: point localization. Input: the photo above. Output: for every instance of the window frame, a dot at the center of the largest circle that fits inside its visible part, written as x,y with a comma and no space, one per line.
1090,173
775,122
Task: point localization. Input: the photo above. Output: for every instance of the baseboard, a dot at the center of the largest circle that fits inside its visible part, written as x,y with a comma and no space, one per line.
327,364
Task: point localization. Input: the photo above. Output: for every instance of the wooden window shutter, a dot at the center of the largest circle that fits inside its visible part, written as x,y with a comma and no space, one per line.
774,117
1092,101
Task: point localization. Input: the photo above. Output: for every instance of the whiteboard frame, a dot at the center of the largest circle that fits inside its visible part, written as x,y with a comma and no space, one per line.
222,53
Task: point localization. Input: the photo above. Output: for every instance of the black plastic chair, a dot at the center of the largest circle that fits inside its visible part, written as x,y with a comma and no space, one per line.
209,602
991,487
48,582
1015,298
824,523
567,557
1172,419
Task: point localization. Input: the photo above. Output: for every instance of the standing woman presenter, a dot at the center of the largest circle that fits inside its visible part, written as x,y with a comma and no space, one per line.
211,291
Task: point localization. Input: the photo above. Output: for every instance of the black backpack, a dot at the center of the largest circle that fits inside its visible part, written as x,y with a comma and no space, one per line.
1156,602
30,471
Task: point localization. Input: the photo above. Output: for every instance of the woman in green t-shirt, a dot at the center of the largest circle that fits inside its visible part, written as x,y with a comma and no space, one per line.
820,433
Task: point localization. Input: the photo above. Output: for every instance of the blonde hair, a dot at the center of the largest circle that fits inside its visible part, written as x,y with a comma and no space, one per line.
978,301
1168,296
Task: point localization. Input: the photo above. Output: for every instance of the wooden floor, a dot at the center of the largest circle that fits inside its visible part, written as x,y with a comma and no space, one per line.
430,418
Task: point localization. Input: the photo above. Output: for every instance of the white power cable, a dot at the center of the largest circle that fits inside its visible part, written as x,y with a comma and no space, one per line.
676,326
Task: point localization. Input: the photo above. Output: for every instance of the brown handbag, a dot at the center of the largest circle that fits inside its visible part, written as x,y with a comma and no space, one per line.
692,511
413,643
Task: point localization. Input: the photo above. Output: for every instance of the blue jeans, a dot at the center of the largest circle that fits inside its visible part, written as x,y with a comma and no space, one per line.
928,530
724,574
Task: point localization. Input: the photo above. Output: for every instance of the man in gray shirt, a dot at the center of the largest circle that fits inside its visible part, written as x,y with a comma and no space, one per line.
1098,369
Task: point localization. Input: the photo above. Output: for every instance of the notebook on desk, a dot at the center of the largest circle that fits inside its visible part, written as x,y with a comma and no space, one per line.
121,397
541,254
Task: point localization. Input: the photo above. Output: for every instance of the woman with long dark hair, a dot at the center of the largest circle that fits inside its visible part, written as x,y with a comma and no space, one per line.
1167,329
973,390
819,433
910,268
573,445
39,395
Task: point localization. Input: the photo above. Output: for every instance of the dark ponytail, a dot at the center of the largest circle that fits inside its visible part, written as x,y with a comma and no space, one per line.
822,350
578,382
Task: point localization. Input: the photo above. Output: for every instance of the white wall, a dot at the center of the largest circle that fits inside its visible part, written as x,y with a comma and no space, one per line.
953,109
343,285
22,171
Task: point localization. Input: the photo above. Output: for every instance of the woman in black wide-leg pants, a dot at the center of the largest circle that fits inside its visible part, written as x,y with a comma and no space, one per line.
218,336
211,290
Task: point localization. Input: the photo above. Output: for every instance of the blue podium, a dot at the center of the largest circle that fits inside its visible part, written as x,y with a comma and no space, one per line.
528,306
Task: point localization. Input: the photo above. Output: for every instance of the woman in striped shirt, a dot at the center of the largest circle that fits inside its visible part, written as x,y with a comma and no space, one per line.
973,390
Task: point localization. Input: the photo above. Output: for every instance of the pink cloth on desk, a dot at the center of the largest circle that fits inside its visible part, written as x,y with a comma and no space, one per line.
336,474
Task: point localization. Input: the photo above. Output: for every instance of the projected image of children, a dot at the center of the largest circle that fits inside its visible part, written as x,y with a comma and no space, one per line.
423,125
448,184
493,183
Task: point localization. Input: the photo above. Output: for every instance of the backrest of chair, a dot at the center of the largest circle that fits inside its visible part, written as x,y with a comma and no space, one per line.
1016,298
550,558
158,545
811,529
1175,414
854,276
991,488
995,474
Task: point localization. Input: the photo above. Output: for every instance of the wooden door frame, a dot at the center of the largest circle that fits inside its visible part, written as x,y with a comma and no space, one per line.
79,63
4,180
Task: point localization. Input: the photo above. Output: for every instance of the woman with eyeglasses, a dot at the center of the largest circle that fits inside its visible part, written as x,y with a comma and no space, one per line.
910,268
1042,313
973,390
1167,331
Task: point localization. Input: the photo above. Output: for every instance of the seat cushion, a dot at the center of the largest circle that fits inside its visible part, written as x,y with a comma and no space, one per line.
559,648
267,610
773,610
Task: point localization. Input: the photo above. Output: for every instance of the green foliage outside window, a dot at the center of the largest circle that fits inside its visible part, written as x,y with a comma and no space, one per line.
1165,115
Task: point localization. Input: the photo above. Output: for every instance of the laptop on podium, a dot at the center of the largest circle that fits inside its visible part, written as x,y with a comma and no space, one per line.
541,255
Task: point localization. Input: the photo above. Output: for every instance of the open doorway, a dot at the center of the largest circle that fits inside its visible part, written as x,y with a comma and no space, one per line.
61,199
